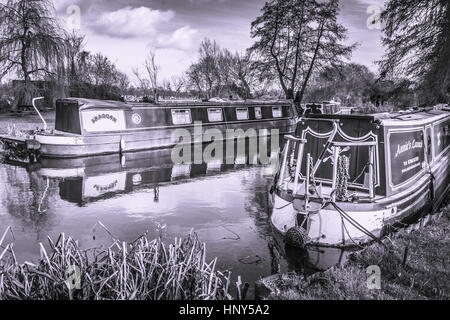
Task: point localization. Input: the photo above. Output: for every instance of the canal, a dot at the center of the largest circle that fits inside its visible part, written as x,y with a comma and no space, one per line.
227,205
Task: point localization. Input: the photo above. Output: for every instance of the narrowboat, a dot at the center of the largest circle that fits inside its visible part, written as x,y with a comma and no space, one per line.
346,180
85,127
329,107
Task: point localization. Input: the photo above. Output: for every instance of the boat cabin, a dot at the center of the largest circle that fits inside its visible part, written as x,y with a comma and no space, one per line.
386,153
86,116
325,107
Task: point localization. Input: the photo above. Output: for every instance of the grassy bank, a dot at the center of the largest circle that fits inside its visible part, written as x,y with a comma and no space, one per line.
419,272
25,121
144,269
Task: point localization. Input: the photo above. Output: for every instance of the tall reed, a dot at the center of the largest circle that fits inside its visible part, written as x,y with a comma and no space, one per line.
144,269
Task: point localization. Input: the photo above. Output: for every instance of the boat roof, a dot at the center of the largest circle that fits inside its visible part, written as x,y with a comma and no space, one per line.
84,104
413,117
416,117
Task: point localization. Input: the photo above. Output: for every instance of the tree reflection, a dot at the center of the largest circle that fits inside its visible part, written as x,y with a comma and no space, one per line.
26,196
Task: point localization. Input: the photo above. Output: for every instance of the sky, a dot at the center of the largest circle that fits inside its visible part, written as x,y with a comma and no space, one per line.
124,30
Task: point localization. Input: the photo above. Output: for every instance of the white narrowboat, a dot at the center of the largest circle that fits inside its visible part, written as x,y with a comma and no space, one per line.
349,179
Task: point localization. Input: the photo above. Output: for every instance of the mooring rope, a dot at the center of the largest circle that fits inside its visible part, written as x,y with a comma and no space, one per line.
349,236
356,224
342,193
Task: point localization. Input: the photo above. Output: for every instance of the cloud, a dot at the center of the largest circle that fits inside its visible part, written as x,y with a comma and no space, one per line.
63,4
131,22
205,1
183,38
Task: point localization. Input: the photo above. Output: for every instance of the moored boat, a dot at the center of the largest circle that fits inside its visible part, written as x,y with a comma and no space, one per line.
323,107
85,127
349,179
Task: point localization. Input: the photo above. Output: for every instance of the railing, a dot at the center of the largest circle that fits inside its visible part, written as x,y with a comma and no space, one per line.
36,109
335,123
337,148
302,142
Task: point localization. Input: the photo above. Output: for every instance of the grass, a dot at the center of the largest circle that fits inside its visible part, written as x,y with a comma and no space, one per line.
25,122
144,270
424,274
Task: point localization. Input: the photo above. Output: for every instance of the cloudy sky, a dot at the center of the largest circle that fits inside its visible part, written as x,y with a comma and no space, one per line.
125,29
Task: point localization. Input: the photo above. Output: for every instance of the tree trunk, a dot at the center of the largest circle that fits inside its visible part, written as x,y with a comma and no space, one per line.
247,90
289,93
299,95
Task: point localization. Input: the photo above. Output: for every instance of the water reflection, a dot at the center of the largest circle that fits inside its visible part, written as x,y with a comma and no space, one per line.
225,202
307,260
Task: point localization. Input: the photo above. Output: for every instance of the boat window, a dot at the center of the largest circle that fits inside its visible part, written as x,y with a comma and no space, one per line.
215,115
276,112
242,113
181,116
258,113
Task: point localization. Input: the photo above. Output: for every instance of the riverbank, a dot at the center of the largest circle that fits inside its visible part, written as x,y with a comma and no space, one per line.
25,121
413,264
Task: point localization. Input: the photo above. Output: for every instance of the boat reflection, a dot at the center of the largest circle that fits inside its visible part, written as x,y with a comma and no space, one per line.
145,189
90,179
308,260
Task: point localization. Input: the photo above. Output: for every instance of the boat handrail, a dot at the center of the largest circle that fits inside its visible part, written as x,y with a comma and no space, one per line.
36,109
295,139
353,144
328,143
320,119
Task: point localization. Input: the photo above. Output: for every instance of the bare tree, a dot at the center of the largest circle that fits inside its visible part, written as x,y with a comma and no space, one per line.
101,70
149,81
74,55
123,82
31,41
296,38
208,65
177,83
216,69
143,83
152,69
242,72
195,79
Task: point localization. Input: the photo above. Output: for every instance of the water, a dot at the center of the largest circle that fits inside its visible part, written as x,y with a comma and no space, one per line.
225,204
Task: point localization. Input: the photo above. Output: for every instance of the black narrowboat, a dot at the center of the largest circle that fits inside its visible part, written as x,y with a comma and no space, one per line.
85,127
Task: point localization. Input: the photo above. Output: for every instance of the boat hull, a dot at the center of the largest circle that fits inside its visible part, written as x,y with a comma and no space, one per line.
328,227
68,146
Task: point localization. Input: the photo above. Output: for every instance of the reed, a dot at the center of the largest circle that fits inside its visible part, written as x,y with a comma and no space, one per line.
142,270
12,131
